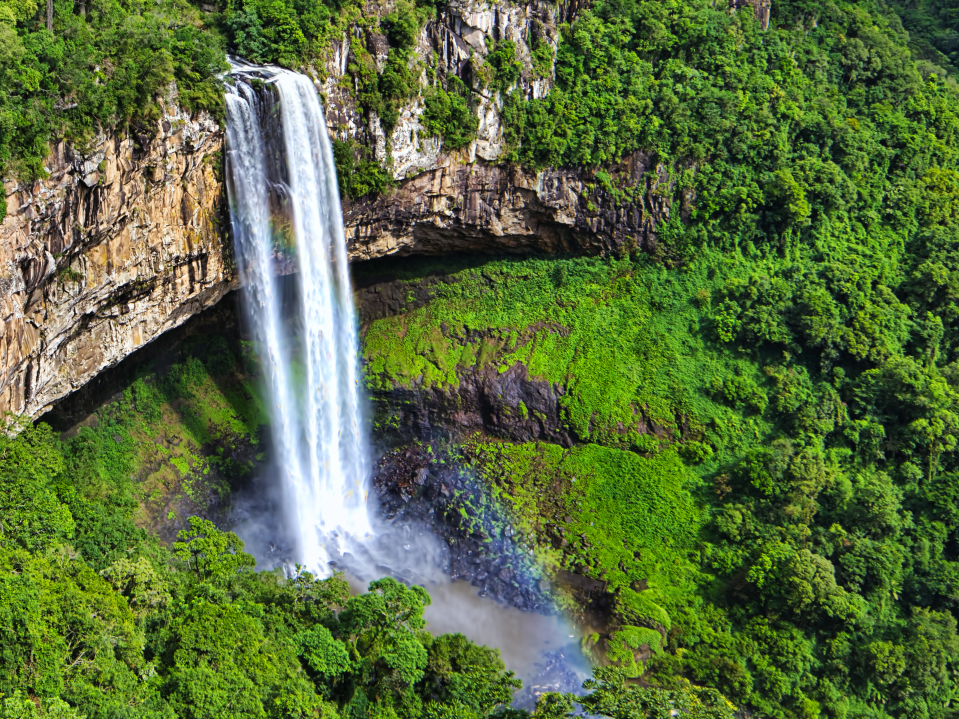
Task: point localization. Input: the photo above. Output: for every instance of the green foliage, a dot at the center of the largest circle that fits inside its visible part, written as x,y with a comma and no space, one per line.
448,114
209,552
611,696
463,679
18,706
542,53
266,31
624,644
103,69
504,65
322,653
357,175
803,133
195,633
932,33
32,516
795,510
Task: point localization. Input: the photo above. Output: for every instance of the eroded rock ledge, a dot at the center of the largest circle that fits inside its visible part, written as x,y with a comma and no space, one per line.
483,207
125,242
116,246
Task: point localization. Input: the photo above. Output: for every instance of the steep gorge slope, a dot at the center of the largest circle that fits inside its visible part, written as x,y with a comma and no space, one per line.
732,411
127,238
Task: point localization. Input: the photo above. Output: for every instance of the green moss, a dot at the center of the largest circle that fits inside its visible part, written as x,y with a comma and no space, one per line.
623,517
163,442
625,642
621,338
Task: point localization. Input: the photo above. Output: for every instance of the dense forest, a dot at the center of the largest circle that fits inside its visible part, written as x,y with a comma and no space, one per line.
101,618
763,402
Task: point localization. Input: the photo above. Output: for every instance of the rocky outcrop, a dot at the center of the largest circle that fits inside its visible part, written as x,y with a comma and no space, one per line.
482,207
762,10
455,42
417,489
509,404
117,245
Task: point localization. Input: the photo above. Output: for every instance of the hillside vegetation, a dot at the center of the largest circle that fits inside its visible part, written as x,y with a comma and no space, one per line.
102,618
764,400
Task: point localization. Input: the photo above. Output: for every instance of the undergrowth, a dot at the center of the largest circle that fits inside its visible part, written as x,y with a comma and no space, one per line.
764,443
173,443
622,338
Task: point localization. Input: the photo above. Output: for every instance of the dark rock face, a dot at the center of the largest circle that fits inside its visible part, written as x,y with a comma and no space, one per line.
415,486
484,207
510,404
382,295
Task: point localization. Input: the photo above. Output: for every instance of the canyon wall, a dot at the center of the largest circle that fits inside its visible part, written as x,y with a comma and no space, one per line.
482,207
463,200
456,42
120,243
128,238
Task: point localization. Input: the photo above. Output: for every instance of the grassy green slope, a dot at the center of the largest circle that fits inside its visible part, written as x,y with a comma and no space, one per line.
795,339
172,445
622,337
760,520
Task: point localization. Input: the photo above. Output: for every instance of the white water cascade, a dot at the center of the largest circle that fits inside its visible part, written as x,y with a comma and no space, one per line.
284,201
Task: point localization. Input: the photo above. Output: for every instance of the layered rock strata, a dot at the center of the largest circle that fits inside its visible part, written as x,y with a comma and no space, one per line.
482,207
116,246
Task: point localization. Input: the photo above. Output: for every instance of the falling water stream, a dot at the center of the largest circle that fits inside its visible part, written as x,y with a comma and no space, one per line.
286,217
284,197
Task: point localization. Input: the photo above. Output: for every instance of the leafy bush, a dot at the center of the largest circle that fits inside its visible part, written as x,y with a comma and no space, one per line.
448,114
103,69
359,177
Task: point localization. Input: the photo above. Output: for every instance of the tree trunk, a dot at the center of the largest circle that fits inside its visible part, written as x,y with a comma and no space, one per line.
50,15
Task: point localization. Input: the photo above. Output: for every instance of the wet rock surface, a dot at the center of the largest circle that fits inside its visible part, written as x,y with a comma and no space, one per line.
510,404
554,673
415,486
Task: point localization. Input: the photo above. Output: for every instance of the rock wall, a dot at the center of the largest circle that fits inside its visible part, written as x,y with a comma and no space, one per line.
116,246
125,241
482,207
456,42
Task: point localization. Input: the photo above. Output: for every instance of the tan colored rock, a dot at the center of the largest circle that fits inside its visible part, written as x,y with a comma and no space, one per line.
459,35
481,207
112,249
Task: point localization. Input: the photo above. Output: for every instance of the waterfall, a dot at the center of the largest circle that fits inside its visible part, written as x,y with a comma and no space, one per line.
285,205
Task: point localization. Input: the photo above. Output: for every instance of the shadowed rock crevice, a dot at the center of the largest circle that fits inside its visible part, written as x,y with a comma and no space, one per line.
490,208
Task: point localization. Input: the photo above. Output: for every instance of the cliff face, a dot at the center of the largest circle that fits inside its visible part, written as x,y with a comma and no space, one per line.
116,246
483,207
456,42
462,200
127,240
